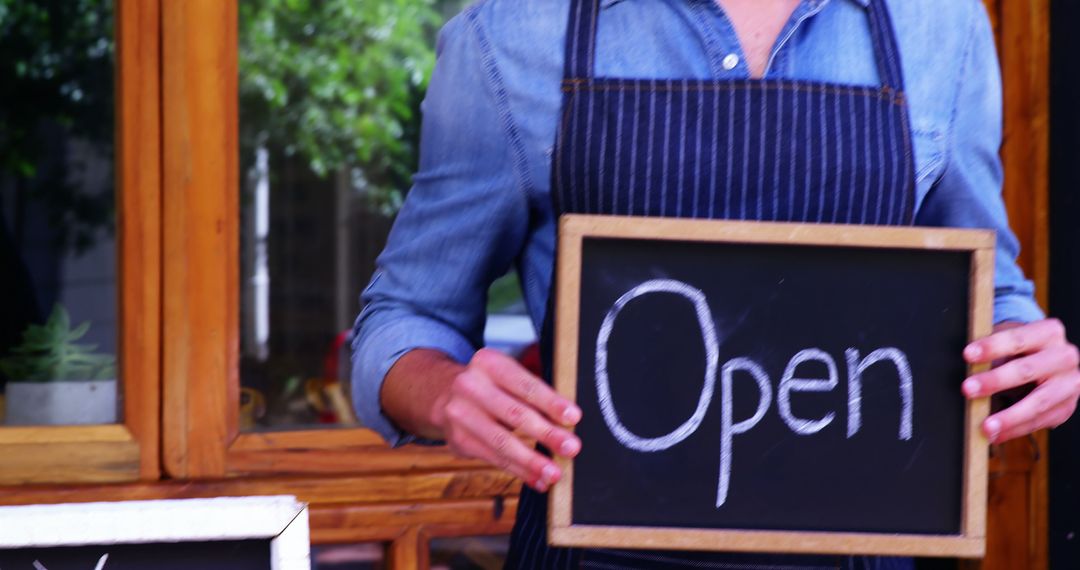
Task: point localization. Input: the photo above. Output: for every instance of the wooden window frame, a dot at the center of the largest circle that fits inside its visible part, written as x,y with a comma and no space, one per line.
128,450
201,383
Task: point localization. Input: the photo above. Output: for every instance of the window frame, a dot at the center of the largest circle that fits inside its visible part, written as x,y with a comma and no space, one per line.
201,333
127,450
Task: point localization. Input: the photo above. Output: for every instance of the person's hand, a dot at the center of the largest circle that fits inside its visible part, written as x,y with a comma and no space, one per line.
1036,354
495,399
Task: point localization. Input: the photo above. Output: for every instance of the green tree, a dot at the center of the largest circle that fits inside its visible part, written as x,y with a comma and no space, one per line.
56,71
338,82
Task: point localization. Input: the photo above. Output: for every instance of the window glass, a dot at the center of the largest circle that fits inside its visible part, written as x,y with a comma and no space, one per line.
330,97
58,249
469,553
368,556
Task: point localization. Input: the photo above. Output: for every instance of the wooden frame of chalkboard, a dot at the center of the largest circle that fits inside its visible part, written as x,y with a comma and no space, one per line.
969,542
34,530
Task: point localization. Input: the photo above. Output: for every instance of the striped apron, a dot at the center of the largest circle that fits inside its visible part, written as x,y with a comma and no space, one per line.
772,150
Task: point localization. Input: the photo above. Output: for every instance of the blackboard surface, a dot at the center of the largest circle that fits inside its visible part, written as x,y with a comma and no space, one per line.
214,555
769,302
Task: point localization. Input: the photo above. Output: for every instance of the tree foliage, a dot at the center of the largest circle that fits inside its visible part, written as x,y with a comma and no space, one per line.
56,71
338,82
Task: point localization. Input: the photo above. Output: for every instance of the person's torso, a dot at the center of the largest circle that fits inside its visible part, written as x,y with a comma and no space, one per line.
774,149
522,42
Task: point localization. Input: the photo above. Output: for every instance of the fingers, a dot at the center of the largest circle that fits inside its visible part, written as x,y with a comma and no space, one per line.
517,415
1016,341
477,435
1049,405
496,397
514,379
1043,364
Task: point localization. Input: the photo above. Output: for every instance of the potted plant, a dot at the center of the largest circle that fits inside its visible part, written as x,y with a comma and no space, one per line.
54,380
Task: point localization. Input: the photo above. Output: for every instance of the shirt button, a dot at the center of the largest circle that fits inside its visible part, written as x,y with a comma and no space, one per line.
731,61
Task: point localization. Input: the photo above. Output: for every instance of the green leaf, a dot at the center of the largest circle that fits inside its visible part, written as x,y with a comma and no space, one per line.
48,353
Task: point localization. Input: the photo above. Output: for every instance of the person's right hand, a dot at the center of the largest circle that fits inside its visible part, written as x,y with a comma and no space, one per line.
493,401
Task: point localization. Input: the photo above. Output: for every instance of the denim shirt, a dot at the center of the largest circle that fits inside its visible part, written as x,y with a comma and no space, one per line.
480,203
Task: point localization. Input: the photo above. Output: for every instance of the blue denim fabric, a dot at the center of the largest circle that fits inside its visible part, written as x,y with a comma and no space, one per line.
480,204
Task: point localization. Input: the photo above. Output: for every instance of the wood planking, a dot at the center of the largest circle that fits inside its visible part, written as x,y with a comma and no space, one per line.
396,488
1025,48
410,550
343,459
308,439
331,522
200,191
65,434
326,439
387,522
332,452
1023,31
767,541
138,143
1017,469
70,462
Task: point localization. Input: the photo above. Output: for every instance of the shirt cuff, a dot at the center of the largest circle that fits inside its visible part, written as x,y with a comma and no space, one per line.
1016,308
375,352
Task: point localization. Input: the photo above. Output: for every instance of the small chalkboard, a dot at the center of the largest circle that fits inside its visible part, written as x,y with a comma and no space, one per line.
248,533
771,387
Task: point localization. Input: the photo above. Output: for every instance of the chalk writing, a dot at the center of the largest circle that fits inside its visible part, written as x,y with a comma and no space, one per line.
100,563
907,387
789,384
712,356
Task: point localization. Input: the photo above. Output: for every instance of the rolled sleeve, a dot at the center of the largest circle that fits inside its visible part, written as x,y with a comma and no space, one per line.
1017,306
968,194
383,343
462,226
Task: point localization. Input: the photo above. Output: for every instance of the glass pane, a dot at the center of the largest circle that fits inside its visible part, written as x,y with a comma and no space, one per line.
58,278
330,98
370,556
469,553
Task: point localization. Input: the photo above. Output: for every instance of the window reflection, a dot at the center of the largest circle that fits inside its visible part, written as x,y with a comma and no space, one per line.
330,98
469,553
58,271
370,556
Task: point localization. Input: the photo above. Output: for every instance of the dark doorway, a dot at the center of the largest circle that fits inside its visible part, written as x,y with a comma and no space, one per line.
1065,269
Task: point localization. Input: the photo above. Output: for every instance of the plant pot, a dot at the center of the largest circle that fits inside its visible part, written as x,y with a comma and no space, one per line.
60,403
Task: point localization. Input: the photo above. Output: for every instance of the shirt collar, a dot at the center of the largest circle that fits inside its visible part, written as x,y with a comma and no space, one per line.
608,3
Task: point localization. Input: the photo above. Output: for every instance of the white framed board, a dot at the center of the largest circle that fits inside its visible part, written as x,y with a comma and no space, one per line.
238,533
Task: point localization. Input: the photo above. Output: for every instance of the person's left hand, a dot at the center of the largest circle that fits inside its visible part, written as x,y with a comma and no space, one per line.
1035,354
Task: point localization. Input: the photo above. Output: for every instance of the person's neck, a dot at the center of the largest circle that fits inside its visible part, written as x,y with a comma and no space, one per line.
758,24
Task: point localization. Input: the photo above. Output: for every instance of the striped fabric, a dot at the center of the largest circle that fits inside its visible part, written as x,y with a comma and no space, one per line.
771,150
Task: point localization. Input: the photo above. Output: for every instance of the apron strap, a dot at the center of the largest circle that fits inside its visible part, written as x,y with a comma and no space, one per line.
581,39
886,48
582,26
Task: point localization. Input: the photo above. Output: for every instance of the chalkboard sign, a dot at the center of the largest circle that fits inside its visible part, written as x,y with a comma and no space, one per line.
771,387
249,533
